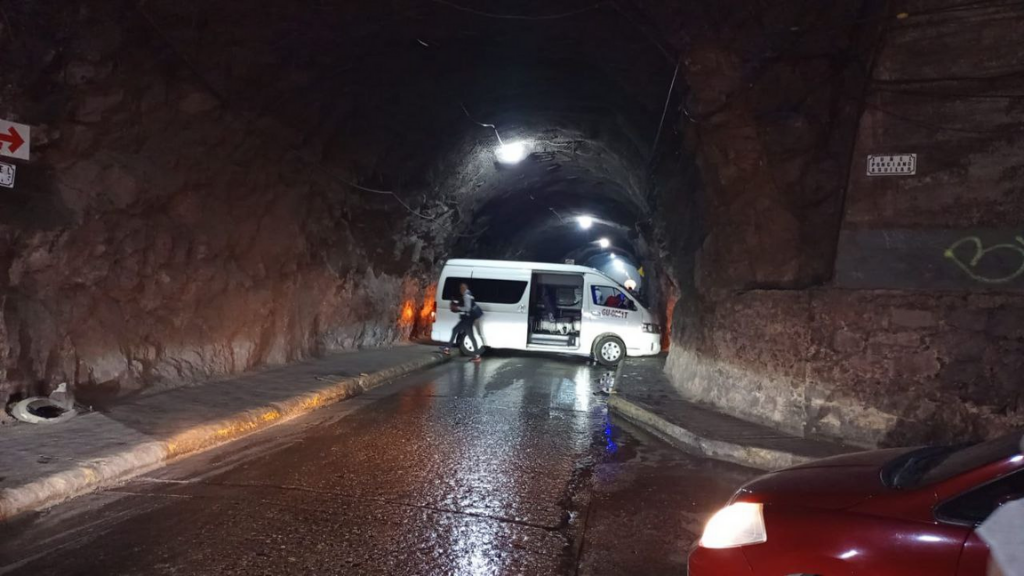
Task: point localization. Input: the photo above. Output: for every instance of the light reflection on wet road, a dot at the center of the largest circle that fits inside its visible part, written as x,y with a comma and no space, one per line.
511,466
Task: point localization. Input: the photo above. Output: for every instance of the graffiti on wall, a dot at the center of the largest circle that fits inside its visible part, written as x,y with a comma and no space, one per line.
969,252
936,259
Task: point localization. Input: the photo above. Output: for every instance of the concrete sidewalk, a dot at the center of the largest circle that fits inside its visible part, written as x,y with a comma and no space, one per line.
41,465
645,397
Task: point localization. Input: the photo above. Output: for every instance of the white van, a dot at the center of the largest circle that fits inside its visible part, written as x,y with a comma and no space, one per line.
548,308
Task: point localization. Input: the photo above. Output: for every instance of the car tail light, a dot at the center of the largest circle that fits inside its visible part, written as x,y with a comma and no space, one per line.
652,328
739,524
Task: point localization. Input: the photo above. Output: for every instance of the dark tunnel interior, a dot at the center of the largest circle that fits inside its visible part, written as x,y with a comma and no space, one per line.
221,186
402,96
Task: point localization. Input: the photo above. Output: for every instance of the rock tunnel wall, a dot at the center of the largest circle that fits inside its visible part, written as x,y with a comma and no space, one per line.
158,236
183,216
898,315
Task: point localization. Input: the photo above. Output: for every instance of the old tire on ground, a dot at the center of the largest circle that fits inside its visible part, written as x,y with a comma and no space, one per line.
609,351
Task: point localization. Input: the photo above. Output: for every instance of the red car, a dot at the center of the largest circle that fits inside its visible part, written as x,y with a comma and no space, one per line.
900,512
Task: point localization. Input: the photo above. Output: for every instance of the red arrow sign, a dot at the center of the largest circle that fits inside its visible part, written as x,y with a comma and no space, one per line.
13,139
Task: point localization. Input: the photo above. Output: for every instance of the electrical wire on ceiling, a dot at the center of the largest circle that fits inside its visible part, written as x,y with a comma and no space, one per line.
482,124
664,112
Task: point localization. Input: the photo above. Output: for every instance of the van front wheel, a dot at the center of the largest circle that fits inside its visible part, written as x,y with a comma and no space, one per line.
609,351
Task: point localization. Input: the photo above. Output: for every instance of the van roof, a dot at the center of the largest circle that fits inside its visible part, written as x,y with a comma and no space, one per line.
519,265
515,264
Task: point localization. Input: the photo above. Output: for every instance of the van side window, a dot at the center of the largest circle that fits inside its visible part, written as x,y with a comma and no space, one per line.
485,290
611,297
451,288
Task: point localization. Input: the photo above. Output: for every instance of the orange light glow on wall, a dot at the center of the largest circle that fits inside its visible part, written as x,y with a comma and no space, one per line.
666,331
426,312
408,314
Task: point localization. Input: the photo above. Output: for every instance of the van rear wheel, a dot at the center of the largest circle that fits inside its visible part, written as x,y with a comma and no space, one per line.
609,351
466,346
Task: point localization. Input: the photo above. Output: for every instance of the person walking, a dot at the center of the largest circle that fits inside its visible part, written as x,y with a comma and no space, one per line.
469,313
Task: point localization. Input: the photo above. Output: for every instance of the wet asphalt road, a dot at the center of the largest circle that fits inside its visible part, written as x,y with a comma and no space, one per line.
508,467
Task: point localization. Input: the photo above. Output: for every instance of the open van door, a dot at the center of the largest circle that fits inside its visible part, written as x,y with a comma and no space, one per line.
504,296
447,291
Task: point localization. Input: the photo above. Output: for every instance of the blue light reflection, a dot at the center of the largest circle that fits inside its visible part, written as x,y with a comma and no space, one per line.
610,447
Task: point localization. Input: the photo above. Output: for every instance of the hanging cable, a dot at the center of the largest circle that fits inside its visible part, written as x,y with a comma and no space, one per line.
481,124
643,30
664,111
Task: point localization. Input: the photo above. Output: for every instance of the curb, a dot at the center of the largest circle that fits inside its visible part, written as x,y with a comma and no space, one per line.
753,456
99,473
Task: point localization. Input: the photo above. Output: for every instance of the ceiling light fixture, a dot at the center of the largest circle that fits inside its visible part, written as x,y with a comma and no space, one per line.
585,222
511,153
604,243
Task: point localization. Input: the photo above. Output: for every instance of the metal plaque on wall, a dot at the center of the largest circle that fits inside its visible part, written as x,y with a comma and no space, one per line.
7,172
892,165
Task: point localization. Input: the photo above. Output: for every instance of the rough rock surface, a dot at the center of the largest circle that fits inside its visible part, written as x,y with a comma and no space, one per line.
189,210
159,238
921,350
771,127
870,367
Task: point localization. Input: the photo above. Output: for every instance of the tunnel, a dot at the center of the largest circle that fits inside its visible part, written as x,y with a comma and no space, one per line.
216,187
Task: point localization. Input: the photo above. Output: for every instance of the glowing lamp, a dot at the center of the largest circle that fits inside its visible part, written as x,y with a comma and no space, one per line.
739,524
511,153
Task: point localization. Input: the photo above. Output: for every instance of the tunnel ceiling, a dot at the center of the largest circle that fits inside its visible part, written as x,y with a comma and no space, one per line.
391,96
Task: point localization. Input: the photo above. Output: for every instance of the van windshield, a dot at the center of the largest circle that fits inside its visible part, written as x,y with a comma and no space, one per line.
611,297
629,295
